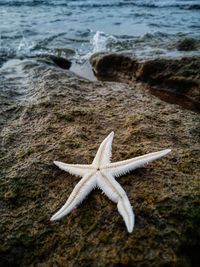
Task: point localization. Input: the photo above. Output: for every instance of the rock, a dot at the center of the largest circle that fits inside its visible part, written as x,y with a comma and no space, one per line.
187,44
113,67
194,7
66,121
180,74
178,78
60,62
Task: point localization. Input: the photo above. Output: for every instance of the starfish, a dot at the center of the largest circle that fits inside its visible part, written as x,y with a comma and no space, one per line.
101,174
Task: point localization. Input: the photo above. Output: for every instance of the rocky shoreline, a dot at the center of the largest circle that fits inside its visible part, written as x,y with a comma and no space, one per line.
62,116
173,80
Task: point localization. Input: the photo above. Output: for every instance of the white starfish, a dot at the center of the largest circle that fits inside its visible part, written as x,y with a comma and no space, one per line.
101,174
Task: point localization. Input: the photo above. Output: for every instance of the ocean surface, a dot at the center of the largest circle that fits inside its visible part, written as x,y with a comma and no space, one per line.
76,29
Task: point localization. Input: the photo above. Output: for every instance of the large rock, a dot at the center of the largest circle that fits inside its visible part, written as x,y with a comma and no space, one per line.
63,117
178,78
113,66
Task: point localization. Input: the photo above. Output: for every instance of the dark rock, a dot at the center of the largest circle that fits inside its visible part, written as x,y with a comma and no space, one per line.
51,60
113,67
194,7
187,44
61,62
175,76
67,121
180,74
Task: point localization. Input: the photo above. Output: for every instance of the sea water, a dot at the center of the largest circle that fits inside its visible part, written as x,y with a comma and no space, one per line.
142,28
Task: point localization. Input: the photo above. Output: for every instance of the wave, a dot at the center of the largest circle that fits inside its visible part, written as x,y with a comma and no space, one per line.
23,3
191,5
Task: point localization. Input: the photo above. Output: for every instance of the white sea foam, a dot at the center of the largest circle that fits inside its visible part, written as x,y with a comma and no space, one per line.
24,47
100,41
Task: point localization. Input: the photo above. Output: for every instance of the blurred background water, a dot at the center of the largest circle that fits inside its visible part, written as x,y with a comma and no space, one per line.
76,29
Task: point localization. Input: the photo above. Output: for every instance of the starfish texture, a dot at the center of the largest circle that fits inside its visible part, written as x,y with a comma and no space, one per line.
101,174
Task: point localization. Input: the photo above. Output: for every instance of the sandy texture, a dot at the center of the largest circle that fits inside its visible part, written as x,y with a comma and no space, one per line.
63,117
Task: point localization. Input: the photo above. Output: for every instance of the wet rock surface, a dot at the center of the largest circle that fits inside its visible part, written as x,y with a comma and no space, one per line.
63,117
61,62
175,78
187,44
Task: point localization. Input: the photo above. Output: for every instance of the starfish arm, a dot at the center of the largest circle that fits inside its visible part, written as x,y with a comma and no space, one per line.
116,193
75,169
81,190
122,167
104,152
